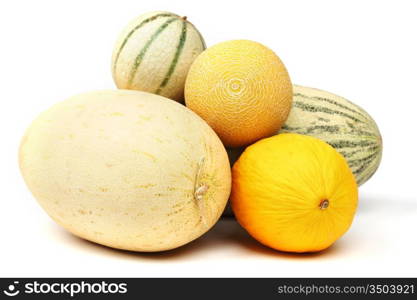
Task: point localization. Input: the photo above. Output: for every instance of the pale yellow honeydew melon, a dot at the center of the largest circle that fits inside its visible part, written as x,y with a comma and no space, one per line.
127,169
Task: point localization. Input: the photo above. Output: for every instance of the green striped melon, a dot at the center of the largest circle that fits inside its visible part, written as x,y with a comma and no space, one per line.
340,123
154,52
337,121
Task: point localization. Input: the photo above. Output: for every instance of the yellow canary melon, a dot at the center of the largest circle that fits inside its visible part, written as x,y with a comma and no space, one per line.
293,193
127,169
242,89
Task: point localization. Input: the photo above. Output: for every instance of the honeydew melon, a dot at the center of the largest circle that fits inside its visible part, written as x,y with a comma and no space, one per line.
127,169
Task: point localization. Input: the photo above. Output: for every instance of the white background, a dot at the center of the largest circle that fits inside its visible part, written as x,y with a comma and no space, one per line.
363,50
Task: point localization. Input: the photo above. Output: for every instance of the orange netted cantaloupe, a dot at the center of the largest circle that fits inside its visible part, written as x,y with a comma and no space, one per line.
293,193
242,89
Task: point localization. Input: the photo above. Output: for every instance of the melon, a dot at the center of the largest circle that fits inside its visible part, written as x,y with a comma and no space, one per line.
127,169
242,89
154,52
337,121
293,193
342,124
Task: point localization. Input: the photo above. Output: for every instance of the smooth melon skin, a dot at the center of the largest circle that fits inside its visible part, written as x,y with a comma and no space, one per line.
242,89
154,53
126,169
293,193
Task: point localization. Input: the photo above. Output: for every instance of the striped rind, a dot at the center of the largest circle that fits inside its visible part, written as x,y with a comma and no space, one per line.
174,62
145,48
134,29
154,53
340,123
